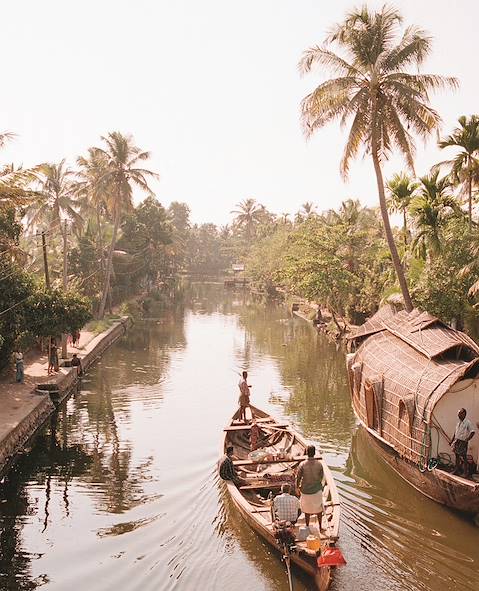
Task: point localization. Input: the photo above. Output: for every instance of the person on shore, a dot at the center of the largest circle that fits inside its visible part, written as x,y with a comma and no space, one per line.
286,506
226,467
75,338
244,396
19,367
53,364
309,481
76,362
463,433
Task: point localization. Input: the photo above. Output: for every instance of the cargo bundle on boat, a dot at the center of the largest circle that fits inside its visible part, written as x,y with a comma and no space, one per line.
409,375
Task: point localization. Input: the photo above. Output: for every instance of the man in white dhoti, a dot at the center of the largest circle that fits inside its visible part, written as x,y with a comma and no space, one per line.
309,481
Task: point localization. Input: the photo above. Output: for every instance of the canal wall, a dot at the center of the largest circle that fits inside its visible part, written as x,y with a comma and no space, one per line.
25,407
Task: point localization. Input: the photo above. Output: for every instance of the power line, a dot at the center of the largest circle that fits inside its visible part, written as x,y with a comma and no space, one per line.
15,305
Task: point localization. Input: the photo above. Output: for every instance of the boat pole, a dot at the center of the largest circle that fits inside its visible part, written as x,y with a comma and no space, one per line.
287,560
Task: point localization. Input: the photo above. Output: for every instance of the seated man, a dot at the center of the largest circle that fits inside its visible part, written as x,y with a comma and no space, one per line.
76,362
286,506
226,467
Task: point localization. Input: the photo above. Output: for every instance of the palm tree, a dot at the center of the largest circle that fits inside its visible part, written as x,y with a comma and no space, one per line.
121,158
55,197
374,87
95,195
308,209
464,166
248,215
430,209
401,189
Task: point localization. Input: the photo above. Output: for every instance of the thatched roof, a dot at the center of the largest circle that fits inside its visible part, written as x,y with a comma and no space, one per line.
419,358
425,333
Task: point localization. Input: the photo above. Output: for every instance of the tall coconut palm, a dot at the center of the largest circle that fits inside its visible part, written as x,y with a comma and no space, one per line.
463,168
429,210
95,195
248,215
401,189
122,172
373,86
55,205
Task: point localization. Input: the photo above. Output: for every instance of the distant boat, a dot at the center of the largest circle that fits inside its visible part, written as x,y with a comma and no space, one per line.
284,450
409,375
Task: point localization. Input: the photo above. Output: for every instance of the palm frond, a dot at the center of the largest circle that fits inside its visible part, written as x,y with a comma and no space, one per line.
316,55
326,102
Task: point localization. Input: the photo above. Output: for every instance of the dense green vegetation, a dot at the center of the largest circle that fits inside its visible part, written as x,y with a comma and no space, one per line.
99,248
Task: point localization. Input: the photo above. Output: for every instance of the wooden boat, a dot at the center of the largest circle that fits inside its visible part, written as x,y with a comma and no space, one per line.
286,449
409,374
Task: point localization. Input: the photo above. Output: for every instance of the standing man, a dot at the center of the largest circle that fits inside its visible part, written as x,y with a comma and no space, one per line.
19,367
244,395
309,481
463,433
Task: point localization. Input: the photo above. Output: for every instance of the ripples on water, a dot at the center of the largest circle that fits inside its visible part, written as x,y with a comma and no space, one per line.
120,490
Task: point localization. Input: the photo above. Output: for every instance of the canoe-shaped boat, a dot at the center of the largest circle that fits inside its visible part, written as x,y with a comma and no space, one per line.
285,449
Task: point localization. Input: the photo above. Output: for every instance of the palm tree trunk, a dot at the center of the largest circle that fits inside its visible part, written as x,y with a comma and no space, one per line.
387,226
404,227
99,238
106,286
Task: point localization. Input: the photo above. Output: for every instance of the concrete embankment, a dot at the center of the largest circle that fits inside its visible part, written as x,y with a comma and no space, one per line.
23,410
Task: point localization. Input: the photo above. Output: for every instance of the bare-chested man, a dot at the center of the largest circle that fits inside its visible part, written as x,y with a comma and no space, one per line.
244,395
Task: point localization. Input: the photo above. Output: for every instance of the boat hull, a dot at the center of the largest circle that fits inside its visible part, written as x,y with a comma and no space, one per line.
440,486
321,576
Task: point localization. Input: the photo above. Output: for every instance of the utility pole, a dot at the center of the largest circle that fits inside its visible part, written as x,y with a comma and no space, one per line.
45,260
65,283
47,283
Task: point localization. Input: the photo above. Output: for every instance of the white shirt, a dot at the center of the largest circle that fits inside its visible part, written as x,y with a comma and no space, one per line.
463,430
286,507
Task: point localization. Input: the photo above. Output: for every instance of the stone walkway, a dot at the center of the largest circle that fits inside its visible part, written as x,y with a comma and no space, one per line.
22,409
36,366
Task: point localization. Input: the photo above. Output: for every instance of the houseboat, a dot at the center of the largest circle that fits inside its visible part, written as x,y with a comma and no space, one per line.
409,374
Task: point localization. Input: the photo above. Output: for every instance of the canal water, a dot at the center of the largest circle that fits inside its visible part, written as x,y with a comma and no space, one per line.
120,492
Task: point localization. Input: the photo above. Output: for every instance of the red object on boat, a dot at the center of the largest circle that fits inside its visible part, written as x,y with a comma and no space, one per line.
331,557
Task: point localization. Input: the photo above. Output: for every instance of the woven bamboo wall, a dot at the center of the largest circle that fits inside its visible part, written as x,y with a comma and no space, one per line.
411,361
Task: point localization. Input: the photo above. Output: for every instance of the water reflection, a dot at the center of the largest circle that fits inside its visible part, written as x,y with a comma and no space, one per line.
120,489
52,458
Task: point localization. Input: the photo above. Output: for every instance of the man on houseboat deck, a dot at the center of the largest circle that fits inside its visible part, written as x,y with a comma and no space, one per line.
309,480
462,435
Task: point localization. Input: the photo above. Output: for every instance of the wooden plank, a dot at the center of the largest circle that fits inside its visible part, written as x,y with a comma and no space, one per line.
248,427
277,461
264,485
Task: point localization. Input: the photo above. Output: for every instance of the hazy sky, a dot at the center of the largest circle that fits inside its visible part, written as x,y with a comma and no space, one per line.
211,87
